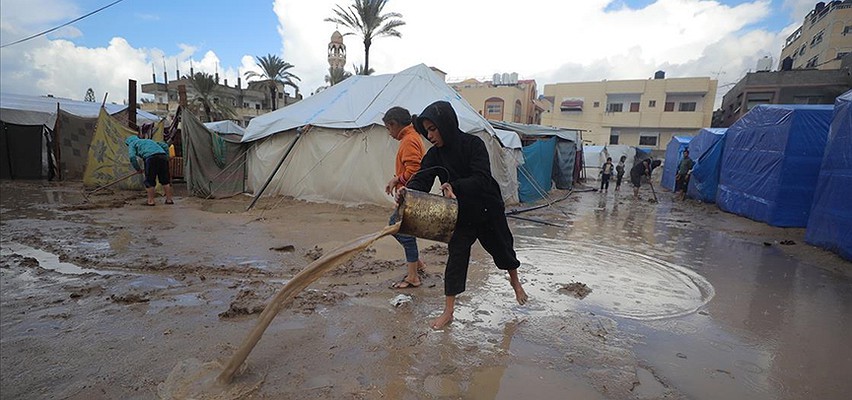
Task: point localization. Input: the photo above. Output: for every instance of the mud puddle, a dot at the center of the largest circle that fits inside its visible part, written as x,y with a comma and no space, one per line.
613,281
45,259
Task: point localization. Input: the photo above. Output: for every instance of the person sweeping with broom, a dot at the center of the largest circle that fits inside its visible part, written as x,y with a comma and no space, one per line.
460,161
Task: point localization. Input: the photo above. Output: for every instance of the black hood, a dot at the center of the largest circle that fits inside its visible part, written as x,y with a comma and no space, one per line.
441,114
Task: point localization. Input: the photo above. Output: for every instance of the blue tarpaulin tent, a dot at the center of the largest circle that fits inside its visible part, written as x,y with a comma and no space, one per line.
830,223
706,150
674,153
771,161
534,175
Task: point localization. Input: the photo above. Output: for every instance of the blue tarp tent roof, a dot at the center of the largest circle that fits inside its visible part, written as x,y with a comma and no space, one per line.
674,153
830,222
771,161
706,150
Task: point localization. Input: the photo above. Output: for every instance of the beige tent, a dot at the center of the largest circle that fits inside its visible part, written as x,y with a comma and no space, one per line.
347,156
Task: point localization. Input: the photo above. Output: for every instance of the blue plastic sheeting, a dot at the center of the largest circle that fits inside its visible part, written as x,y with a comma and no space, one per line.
771,162
706,150
534,174
830,223
674,153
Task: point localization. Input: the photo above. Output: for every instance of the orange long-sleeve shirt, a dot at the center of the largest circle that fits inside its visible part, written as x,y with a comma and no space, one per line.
409,154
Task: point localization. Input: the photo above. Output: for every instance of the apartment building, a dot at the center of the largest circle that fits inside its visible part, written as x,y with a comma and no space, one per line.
822,40
642,112
798,86
502,99
247,103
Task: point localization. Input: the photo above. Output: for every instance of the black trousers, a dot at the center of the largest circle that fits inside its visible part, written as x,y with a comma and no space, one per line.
494,236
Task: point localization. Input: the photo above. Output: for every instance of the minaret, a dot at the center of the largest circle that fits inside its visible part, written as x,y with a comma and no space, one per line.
336,51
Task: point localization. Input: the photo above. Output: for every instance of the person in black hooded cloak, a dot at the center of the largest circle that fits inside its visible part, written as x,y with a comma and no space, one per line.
460,161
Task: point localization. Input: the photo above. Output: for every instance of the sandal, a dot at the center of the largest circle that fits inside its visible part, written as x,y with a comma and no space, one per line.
404,284
170,202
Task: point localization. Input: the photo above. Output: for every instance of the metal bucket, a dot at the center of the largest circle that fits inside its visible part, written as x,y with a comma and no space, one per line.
427,216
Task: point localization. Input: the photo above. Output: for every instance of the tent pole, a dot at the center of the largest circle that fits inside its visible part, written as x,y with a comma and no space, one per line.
299,132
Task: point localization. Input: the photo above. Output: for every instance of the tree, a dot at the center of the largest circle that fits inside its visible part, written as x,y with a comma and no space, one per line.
204,99
336,75
366,19
90,95
359,70
274,71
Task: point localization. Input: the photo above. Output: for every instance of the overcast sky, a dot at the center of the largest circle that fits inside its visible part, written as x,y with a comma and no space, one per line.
547,40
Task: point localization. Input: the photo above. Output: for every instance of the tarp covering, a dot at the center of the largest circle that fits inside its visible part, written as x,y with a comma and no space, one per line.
213,164
23,151
771,161
706,150
348,129
39,110
674,154
226,127
75,136
108,158
563,173
830,222
509,139
534,176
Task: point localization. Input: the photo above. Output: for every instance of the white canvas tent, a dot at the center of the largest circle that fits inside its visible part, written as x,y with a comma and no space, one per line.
595,156
39,110
347,155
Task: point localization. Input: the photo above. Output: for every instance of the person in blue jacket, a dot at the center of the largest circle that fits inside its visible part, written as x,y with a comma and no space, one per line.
156,158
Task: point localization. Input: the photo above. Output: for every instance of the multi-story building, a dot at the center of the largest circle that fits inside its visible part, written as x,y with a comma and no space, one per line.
798,86
247,103
824,38
642,112
507,99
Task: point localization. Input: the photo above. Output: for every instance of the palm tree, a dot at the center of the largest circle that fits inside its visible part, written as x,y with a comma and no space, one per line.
274,71
360,70
365,18
336,75
205,86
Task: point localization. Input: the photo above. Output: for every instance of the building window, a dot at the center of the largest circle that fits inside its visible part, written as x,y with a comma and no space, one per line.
280,95
807,100
494,108
652,103
847,29
245,105
754,99
596,104
517,116
613,137
669,106
614,107
648,139
812,63
841,54
257,106
817,39
686,106
215,100
802,50
634,107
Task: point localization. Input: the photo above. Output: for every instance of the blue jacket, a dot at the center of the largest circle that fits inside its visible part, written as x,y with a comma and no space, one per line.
144,148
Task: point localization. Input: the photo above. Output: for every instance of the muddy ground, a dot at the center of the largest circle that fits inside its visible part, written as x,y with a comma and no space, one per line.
629,300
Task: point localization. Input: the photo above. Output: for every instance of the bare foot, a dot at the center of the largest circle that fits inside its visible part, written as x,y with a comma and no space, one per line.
520,294
442,321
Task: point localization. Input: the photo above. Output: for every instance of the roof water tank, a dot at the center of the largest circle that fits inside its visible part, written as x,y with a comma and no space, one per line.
764,64
495,80
660,75
505,78
513,78
787,64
